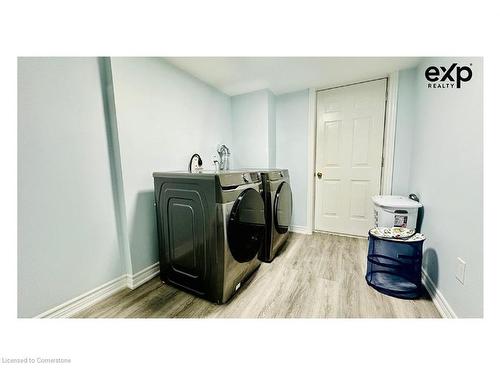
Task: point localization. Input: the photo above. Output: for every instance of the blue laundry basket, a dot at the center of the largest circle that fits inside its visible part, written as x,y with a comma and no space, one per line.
394,266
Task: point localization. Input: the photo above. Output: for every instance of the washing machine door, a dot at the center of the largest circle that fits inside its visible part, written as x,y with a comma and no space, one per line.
283,208
246,228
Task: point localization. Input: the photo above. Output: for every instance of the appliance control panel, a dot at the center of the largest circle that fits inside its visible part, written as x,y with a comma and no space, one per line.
241,178
250,177
277,174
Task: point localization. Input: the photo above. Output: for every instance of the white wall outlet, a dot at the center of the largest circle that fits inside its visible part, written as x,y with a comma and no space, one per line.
460,270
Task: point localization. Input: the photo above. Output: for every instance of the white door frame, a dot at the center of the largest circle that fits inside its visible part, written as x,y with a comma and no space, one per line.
388,148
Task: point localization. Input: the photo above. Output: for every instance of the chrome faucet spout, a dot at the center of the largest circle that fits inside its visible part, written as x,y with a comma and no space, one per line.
224,154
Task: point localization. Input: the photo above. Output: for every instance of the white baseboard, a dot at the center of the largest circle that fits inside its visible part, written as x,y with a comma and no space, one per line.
340,234
300,229
83,301
440,302
77,304
139,278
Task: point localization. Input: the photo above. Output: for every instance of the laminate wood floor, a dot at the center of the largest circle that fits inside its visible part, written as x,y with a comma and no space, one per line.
315,276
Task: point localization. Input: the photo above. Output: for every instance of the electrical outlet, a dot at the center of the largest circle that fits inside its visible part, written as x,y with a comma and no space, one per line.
460,270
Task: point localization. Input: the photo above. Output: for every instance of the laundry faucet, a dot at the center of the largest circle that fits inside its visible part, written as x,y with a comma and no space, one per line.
224,154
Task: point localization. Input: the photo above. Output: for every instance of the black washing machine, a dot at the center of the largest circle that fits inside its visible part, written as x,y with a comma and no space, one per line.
277,196
211,228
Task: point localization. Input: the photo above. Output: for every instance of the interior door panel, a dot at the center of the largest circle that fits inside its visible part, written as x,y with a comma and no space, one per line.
350,132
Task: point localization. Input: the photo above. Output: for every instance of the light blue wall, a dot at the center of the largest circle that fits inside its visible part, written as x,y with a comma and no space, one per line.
405,123
163,117
292,113
77,167
67,239
447,174
253,130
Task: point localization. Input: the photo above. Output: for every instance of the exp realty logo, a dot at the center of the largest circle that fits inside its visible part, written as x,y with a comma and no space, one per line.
447,78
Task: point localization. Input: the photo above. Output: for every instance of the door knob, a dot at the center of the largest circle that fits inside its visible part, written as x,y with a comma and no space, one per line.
319,174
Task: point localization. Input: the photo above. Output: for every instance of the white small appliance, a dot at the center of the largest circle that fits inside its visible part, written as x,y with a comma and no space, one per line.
395,211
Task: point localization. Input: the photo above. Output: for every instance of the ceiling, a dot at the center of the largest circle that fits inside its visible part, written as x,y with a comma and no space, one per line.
238,75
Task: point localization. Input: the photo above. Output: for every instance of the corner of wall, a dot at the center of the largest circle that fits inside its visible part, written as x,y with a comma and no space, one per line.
115,160
405,124
311,155
271,112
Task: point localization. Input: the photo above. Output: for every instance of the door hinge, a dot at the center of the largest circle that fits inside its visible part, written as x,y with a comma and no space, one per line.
382,161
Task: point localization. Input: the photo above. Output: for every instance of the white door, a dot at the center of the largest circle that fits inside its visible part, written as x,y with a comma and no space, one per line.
349,142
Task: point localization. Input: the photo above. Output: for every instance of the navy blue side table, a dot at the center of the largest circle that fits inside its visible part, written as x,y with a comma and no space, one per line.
394,266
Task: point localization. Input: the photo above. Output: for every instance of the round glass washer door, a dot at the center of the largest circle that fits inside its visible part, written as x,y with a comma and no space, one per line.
283,208
246,228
